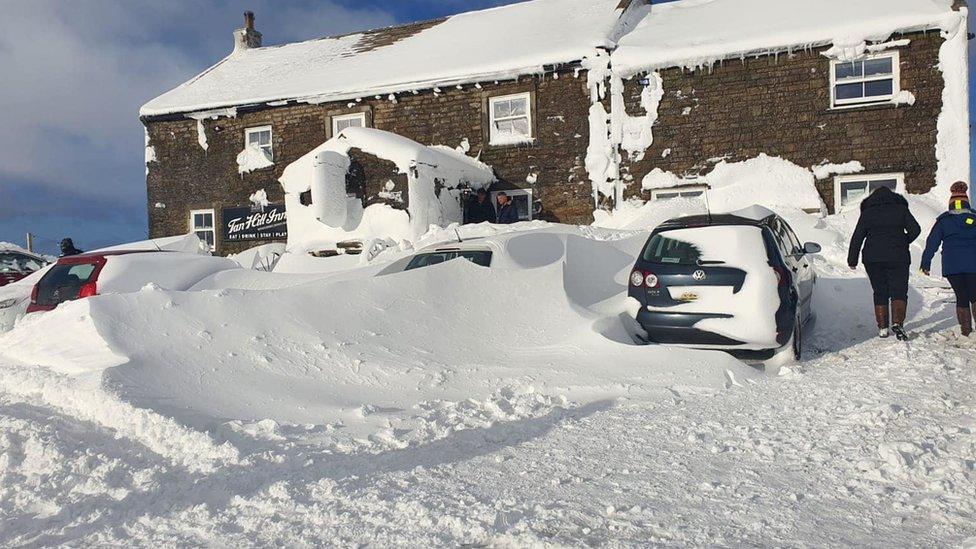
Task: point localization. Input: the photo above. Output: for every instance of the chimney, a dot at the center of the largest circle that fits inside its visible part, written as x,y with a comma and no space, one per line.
247,38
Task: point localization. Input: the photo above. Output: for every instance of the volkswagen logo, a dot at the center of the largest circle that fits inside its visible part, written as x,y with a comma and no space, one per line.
699,275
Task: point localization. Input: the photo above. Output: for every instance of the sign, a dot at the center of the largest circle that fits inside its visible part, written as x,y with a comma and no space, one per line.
247,223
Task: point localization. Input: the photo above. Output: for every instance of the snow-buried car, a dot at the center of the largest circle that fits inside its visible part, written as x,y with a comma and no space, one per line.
740,282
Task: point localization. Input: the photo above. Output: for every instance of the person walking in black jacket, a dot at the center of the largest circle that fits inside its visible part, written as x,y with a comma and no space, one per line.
885,230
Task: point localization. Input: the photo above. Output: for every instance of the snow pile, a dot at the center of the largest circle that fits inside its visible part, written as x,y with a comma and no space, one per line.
333,216
259,199
185,243
494,44
698,33
825,170
660,179
766,180
260,258
253,158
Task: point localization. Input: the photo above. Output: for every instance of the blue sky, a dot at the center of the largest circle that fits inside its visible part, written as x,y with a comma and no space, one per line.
71,153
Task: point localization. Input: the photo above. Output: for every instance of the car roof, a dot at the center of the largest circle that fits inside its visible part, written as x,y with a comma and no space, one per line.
79,258
716,220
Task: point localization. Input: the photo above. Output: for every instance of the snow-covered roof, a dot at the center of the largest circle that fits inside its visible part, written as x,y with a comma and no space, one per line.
693,33
469,47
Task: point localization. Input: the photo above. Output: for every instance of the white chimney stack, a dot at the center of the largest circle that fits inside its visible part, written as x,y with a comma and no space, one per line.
247,38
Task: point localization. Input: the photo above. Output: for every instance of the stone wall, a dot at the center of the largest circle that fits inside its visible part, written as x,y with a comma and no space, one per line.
186,177
780,105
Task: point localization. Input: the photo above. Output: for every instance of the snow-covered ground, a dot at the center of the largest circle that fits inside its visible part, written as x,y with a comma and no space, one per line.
456,405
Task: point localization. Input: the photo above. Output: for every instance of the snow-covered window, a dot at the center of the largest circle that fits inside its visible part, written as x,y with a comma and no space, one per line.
686,191
510,118
851,189
260,137
874,79
341,122
202,225
521,198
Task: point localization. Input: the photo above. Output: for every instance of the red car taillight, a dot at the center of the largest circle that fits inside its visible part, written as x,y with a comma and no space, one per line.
34,291
643,278
87,290
782,276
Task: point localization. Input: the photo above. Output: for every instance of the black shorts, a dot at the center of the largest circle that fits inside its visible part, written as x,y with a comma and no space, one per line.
965,287
889,281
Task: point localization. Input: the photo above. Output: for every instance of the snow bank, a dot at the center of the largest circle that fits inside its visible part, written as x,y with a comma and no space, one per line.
372,353
494,44
698,33
185,243
765,180
253,158
333,216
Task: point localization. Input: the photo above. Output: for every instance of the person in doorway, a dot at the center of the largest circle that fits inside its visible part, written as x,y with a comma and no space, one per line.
68,248
507,213
480,209
885,230
955,232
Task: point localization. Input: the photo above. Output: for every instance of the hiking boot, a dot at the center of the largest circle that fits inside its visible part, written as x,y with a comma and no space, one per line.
884,333
965,317
881,315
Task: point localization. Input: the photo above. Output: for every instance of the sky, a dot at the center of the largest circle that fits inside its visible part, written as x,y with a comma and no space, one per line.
76,73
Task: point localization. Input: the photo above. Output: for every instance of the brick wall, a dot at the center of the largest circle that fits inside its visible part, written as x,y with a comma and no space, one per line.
780,105
185,177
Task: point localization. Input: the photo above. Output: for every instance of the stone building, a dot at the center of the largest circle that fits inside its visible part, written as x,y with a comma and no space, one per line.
554,96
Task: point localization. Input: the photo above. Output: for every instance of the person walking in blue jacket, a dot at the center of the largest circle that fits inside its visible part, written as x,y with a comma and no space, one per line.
955,232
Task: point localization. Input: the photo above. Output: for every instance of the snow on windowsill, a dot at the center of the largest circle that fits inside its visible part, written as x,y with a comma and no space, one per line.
252,159
511,141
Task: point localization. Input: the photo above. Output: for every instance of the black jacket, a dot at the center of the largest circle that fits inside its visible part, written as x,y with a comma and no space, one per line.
479,212
508,214
886,229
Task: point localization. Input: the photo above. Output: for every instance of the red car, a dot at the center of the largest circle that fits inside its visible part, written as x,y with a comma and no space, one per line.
16,264
117,272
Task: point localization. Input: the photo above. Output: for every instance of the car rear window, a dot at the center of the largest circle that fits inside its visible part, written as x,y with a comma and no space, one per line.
18,263
661,249
63,282
478,257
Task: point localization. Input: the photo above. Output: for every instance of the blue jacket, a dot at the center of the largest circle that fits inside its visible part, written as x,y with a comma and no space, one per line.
955,231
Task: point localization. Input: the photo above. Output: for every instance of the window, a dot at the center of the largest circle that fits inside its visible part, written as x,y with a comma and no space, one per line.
661,249
510,118
202,225
687,191
260,137
851,189
521,198
478,257
339,123
12,262
874,79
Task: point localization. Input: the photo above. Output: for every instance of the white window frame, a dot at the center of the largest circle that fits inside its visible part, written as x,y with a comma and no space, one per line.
895,78
269,148
655,193
498,140
899,178
512,193
213,229
361,116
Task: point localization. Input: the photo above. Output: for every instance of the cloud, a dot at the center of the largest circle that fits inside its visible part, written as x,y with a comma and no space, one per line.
76,73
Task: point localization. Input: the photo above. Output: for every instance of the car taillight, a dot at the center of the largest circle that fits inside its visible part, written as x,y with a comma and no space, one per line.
34,292
87,290
643,278
782,277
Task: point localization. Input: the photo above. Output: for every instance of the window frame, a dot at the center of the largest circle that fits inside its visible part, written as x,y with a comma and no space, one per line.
680,189
351,116
259,129
529,116
512,193
895,78
839,180
213,225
